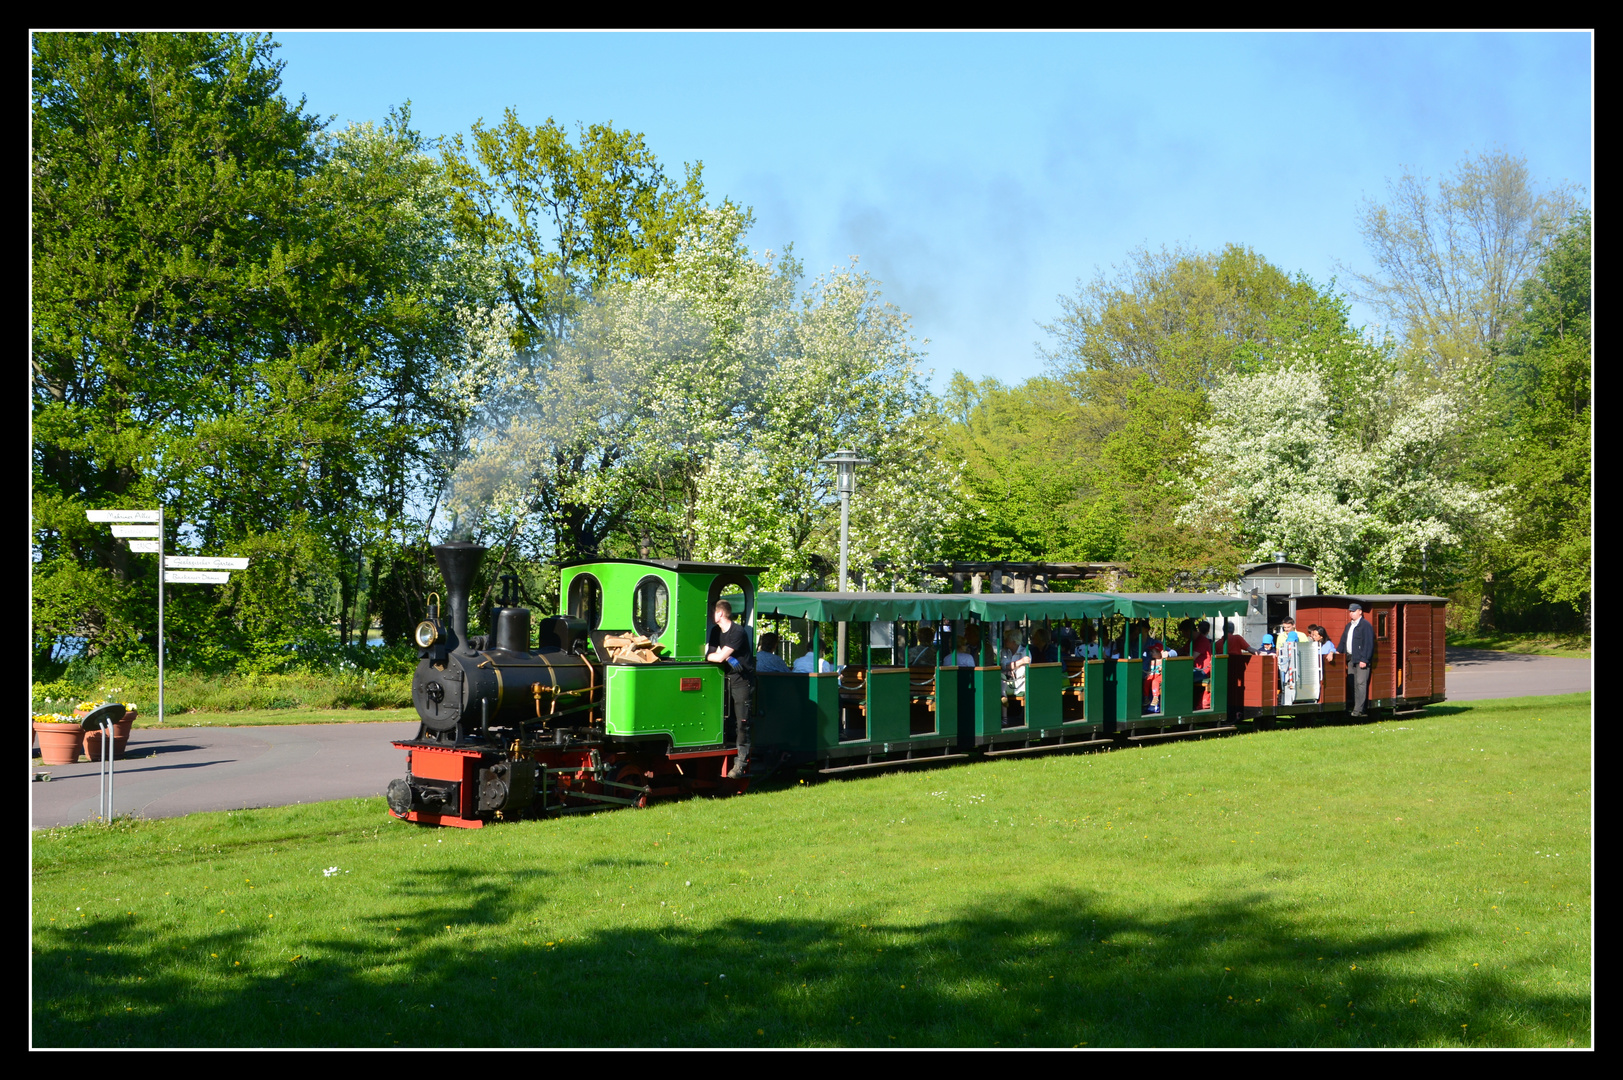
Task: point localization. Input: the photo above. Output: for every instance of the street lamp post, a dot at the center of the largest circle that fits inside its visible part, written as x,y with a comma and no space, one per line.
845,463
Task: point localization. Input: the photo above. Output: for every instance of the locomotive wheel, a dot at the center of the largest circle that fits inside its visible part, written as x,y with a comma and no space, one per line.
632,775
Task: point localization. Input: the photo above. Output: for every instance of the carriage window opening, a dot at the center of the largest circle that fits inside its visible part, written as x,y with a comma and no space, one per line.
736,590
1380,624
651,607
586,600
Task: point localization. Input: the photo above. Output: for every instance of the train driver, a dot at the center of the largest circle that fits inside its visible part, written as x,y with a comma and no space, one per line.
729,646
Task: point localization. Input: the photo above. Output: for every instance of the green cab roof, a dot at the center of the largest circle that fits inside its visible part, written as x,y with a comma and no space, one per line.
680,566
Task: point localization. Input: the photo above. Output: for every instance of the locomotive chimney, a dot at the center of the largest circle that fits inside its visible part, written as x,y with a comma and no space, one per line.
459,561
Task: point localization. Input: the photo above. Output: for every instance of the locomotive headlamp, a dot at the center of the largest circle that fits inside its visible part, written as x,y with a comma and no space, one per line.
427,633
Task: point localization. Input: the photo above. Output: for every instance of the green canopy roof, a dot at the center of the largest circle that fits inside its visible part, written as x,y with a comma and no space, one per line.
863,606
886,607
992,607
1011,607
1175,605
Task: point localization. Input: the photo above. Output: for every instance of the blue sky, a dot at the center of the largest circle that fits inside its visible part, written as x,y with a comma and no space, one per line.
978,176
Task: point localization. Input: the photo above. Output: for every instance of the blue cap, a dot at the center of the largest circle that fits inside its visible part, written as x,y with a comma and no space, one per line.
1267,639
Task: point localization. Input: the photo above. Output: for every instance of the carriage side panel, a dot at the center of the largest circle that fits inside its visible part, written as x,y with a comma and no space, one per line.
1098,693
1045,689
1177,686
1256,680
1220,684
890,705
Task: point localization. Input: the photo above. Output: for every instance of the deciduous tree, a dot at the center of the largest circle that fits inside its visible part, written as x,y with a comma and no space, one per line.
1450,258
237,315
1546,373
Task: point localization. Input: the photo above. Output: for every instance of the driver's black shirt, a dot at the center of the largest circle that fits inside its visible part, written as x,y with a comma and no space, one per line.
739,641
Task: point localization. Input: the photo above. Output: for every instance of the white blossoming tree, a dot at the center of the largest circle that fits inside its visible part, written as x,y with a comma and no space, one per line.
684,414
1360,506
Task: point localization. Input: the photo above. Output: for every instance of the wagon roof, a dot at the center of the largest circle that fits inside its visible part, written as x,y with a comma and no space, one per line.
1375,598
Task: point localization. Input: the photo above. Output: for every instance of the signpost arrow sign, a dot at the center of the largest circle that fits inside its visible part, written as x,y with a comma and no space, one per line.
203,562
149,517
143,529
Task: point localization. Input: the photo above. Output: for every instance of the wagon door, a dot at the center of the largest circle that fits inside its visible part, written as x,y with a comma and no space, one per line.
1439,647
1417,647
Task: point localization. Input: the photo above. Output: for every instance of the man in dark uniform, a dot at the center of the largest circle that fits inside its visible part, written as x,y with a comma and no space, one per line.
729,646
1358,646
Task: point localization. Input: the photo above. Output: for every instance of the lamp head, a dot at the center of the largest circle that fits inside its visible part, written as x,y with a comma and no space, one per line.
845,463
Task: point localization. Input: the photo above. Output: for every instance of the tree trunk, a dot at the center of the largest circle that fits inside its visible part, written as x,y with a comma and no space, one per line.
1484,617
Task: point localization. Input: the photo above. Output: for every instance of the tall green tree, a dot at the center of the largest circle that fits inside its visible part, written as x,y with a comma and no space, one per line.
565,225
1546,375
1028,455
1451,258
234,314
1182,319
1140,350
566,218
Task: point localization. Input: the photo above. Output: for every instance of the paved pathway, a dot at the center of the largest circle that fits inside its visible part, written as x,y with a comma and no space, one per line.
172,771
1476,674
181,770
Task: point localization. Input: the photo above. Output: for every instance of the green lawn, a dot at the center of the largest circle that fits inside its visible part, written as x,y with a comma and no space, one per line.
1571,645
1423,882
261,717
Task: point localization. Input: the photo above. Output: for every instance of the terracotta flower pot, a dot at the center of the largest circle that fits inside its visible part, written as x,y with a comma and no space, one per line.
121,738
59,744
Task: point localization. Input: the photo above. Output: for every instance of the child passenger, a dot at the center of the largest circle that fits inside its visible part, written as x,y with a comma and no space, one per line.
1152,675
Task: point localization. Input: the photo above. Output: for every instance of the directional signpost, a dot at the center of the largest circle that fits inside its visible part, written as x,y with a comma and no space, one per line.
143,530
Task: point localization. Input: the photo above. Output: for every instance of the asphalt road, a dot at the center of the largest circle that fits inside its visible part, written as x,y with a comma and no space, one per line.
174,771
1477,674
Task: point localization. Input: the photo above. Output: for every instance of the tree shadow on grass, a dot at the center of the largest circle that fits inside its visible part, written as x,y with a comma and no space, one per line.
460,964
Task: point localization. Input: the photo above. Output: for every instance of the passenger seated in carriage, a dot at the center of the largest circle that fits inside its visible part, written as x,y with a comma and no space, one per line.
1087,647
1013,660
924,651
968,651
1043,651
806,663
1201,649
767,660
1233,642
